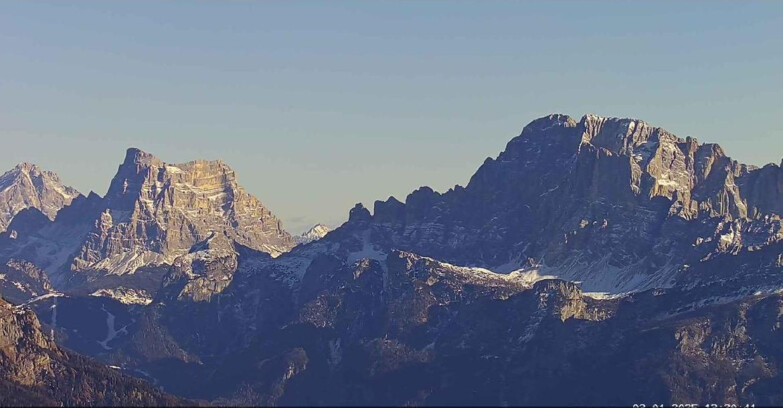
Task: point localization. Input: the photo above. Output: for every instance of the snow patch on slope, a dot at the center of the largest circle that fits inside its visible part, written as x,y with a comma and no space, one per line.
125,295
111,332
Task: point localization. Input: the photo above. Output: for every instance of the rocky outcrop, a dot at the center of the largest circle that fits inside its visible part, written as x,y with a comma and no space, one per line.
26,186
205,271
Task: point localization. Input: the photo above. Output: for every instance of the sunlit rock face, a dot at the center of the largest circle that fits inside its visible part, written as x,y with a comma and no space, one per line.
155,215
315,233
155,212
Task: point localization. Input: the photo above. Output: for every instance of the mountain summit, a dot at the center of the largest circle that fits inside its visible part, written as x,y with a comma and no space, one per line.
317,232
155,211
26,186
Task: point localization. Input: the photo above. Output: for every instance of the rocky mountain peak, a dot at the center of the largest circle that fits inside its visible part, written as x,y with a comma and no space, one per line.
315,233
620,136
628,152
27,185
143,176
551,121
616,196
319,229
359,213
27,167
135,156
156,211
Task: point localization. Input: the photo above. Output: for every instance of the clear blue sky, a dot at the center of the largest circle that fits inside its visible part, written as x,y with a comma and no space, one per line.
321,105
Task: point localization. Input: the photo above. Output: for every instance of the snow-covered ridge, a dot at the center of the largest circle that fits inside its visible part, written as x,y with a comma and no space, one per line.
526,277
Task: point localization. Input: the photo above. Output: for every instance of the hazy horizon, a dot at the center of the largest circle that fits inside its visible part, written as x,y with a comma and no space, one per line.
318,106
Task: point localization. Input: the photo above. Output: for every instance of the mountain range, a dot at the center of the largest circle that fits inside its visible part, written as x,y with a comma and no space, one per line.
607,254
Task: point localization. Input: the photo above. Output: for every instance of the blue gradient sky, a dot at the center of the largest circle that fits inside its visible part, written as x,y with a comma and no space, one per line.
321,105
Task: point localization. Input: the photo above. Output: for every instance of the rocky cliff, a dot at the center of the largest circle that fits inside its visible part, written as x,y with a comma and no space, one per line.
21,281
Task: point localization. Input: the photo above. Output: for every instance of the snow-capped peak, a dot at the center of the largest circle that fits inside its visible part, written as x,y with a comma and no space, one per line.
315,233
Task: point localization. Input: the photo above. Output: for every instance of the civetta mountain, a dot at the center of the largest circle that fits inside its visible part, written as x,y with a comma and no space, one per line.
602,253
